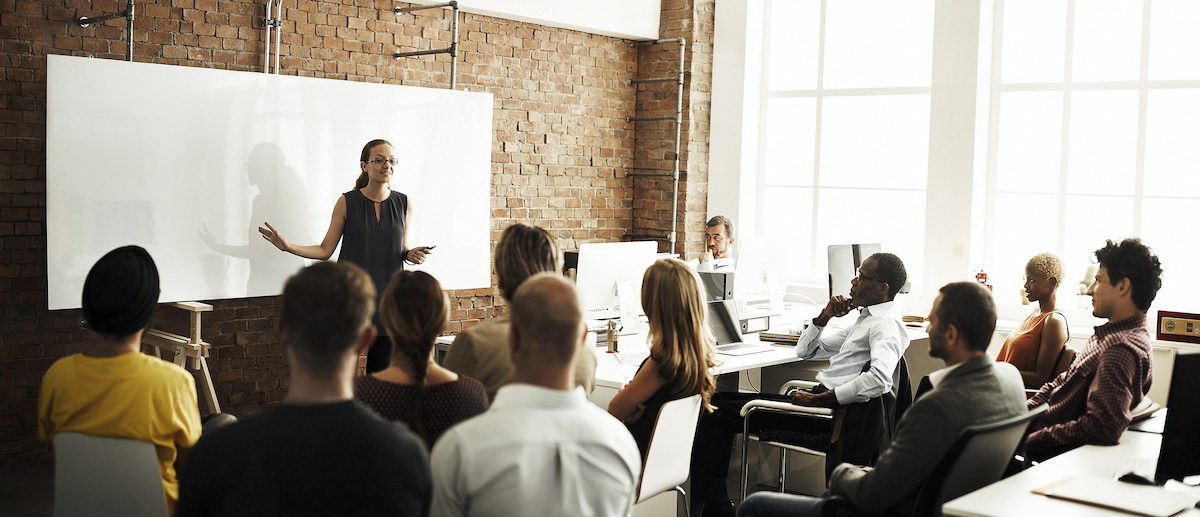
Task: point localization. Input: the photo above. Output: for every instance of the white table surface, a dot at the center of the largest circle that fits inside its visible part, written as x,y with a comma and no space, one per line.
1014,497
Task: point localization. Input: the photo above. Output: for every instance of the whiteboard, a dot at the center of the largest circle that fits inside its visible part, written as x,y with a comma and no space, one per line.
188,162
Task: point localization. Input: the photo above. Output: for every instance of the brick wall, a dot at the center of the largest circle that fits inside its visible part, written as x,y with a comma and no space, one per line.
562,149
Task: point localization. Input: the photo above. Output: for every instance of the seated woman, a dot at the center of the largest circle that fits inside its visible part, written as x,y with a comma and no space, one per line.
1035,345
681,350
415,389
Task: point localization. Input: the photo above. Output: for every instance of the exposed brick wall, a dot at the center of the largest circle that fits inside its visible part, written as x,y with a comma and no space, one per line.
561,150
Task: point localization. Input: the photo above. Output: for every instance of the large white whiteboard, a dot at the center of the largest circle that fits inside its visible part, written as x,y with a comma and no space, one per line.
188,162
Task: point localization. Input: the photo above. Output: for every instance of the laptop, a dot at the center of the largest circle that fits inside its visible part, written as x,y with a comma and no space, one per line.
726,326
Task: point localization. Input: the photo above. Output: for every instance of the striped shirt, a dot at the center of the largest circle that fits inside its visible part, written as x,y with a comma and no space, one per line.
1090,403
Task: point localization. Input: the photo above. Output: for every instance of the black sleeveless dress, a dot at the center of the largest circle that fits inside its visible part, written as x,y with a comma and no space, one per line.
376,245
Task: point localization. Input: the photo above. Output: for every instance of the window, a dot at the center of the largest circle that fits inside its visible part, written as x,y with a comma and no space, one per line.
844,128
1094,123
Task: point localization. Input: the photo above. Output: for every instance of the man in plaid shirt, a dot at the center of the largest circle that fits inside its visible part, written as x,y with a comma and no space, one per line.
1090,403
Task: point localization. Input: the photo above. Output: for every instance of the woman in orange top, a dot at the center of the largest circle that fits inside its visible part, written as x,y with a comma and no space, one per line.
1035,345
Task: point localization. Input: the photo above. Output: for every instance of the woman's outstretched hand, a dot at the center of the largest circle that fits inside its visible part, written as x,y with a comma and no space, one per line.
272,236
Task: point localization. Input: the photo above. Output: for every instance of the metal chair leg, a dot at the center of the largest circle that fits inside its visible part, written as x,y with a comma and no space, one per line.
687,511
782,469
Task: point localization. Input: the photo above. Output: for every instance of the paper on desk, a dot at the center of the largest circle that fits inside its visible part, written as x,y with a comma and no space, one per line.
1126,497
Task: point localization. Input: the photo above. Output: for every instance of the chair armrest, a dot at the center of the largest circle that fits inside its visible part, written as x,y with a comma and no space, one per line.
804,385
785,407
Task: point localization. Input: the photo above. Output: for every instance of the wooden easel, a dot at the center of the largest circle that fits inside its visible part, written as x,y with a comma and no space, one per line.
193,350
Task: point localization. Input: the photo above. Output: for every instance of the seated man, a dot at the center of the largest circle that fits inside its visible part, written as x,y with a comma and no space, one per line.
1090,403
862,359
718,247
542,448
321,452
972,389
481,352
113,389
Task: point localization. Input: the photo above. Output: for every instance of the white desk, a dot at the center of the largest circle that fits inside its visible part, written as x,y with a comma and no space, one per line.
613,371
1013,496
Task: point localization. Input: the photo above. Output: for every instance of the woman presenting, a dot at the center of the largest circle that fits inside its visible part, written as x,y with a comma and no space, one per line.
370,221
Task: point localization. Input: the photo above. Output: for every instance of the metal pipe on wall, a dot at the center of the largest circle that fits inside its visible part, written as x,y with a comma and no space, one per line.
678,118
278,31
269,23
452,49
128,13
678,137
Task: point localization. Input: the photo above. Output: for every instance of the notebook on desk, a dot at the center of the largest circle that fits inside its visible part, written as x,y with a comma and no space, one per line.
1152,501
724,322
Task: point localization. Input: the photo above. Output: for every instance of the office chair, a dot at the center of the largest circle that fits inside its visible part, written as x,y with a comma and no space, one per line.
1065,358
860,432
669,455
976,459
94,475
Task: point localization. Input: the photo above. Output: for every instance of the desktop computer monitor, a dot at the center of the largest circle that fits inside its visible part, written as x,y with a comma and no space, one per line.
718,285
1179,456
844,260
602,265
760,259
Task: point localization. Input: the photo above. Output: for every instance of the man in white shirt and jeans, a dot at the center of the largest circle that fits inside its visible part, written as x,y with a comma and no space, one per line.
862,359
542,448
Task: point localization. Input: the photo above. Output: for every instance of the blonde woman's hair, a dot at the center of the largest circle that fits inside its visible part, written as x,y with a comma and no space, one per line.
1047,265
674,301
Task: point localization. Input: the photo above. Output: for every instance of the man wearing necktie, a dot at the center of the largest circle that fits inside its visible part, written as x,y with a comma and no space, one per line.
862,358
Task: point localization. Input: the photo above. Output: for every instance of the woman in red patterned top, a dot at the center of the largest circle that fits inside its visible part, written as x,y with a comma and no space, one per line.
415,389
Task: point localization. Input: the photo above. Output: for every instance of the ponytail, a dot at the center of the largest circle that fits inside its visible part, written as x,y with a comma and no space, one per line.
414,311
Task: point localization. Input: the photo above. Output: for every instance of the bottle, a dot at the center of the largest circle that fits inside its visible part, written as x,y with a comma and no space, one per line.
612,336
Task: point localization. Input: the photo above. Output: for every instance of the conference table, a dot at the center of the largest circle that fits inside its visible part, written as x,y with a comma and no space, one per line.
614,370
1013,496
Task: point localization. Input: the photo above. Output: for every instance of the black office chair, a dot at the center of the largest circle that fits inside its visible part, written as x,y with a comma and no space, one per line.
976,459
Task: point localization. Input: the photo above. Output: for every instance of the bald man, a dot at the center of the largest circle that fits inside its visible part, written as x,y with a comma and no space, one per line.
541,447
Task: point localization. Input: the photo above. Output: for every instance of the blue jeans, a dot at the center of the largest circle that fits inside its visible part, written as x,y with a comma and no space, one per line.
774,504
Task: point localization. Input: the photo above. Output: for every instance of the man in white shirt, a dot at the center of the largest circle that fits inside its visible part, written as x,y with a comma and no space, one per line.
862,358
718,246
542,448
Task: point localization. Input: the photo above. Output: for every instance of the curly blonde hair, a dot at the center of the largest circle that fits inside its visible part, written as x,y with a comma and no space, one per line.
1046,265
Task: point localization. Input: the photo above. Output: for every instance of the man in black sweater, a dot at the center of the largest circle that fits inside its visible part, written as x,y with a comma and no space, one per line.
322,452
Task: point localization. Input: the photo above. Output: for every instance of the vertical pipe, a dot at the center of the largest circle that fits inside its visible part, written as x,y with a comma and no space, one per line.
278,31
678,136
454,47
268,22
129,31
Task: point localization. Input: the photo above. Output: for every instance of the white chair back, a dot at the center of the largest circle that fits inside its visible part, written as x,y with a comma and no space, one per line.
94,475
669,455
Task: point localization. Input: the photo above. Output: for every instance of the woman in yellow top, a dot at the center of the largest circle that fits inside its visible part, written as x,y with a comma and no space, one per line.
1035,345
681,349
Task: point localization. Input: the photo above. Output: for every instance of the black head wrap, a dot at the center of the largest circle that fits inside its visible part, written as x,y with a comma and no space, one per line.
121,292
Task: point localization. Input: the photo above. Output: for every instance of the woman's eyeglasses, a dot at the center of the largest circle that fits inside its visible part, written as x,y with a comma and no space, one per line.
381,161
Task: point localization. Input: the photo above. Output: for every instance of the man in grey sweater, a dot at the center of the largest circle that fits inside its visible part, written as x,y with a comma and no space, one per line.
972,389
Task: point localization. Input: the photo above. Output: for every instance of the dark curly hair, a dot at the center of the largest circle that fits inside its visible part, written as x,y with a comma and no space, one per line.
1133,260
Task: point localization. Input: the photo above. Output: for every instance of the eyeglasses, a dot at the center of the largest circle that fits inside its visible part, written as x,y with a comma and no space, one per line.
862,277
381,161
